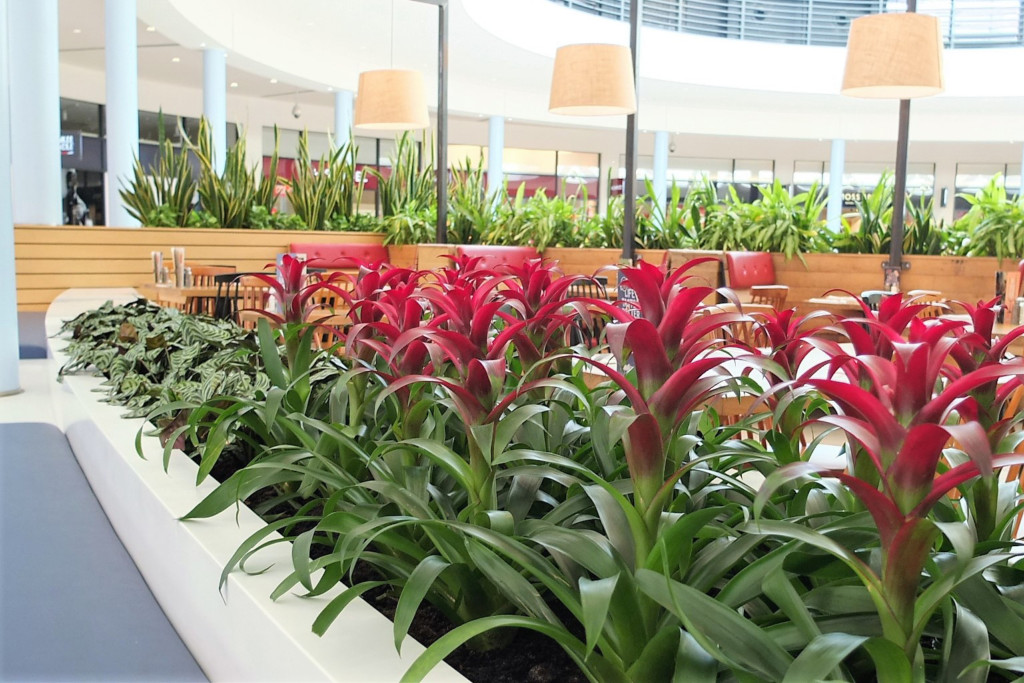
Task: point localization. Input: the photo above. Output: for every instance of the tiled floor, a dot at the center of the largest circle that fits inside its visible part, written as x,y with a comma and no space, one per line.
35,403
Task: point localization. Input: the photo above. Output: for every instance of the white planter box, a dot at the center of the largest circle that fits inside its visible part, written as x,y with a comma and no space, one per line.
241,635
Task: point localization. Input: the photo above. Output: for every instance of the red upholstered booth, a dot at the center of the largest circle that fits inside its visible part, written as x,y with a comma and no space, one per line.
497,256
339,256
744,269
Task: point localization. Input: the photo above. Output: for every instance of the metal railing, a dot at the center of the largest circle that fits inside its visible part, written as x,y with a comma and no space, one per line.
965,23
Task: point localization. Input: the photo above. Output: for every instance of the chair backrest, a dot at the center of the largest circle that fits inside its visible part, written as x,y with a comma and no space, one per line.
253,297
203,276
744,269
745,331
339,256
491,256
592,288
771,295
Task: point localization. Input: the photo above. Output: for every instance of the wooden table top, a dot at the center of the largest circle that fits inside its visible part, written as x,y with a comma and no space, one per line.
172,294
839,304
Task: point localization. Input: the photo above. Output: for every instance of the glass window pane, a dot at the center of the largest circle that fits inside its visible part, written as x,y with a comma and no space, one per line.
77,115
458,155
528,161
366,150
149,127
806,173
757,171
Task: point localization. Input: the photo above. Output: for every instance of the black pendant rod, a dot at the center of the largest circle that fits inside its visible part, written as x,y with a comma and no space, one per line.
629,185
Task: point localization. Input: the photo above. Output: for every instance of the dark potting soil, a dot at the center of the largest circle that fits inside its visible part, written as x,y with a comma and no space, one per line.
529,658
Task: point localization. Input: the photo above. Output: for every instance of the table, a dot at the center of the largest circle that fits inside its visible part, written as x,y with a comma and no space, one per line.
846,306
176,297
1002,329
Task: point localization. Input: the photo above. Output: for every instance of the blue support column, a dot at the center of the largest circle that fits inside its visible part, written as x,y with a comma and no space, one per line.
9,380
37,180
835,185
215,97
343,100
660,179
122,105
495,155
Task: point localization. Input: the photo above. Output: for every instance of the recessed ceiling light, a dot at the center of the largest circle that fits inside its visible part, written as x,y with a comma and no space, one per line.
273,80
175,59
76,30
330,89
234,84
202,44
151,29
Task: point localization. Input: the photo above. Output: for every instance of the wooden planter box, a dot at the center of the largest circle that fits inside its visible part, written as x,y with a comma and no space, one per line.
956,277
50,259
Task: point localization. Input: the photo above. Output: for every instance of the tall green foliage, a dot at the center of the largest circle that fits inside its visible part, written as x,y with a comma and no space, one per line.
994,225
230,195
161,195
410,184
327,195
472,210
871,235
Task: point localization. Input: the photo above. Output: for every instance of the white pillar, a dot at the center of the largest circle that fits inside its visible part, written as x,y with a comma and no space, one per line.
836,163
215,96
343,100
1020,188
31,37
660,179
495,155
122,105
9,381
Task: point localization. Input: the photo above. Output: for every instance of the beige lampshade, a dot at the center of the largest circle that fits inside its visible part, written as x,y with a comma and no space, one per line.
593,80
391,99
896,56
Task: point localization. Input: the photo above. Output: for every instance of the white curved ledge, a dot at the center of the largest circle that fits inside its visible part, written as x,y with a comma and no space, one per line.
242,636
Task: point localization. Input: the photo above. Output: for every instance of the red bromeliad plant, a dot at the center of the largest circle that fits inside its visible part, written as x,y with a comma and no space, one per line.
296,296
978,349
899,415
539,293
674,376
488,411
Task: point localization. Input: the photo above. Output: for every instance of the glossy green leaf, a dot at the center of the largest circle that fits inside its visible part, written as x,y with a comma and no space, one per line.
737,642
416,588
596,598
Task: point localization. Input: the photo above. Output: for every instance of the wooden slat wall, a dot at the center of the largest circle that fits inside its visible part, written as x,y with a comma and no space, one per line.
50,259
964,279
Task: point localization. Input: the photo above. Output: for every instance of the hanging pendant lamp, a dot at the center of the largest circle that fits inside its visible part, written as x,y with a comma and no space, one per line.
593,79
391,99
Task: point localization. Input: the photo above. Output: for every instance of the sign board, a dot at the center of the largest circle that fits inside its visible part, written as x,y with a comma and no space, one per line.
71,144
627,299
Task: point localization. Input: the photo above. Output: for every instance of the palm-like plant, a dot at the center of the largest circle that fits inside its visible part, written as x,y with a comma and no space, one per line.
993,225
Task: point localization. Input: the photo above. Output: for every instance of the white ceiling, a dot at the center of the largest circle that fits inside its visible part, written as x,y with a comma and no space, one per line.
313,46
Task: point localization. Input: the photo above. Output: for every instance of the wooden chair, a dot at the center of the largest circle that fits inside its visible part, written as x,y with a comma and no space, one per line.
745,331
329,332
253,295
770,295
582,333
205,276
935,304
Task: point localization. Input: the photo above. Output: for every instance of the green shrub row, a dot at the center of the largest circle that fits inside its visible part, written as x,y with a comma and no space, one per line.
326,196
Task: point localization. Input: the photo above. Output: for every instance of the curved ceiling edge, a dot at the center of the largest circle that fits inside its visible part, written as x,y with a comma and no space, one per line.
501,57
